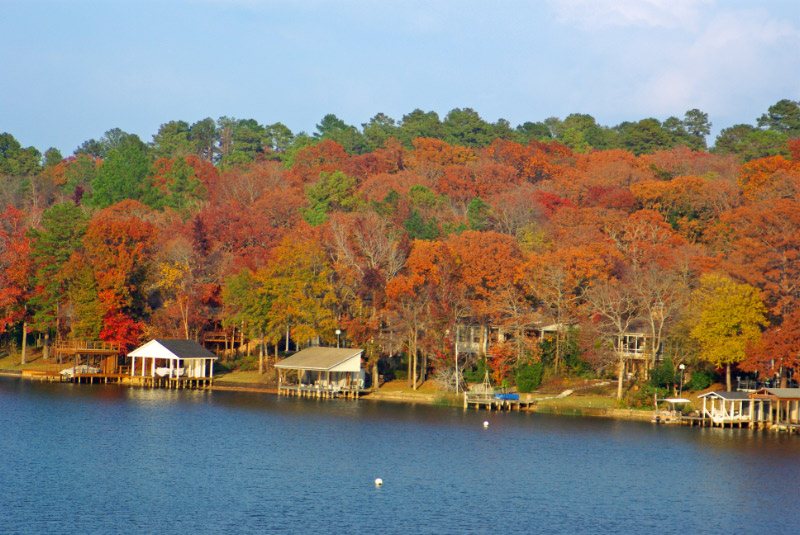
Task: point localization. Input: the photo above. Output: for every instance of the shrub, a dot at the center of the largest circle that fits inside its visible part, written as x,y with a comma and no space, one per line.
529,377
700,380
663,375
476,373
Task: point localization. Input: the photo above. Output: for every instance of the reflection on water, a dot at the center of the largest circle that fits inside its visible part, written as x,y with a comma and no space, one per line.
105,459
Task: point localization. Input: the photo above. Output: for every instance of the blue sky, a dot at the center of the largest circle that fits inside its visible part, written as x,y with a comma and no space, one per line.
70,70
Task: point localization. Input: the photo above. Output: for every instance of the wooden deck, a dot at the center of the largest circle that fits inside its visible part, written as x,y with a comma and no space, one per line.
49,375
177,383
66,348
315,391
490,402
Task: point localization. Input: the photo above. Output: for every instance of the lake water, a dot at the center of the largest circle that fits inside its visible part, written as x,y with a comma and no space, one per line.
105,459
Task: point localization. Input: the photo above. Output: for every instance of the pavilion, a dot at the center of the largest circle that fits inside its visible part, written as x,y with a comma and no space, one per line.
172,361
323,372
778,406
727,408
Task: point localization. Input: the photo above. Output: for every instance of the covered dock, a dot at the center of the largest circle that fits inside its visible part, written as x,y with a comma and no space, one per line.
172,364
727,408
777,408
323,372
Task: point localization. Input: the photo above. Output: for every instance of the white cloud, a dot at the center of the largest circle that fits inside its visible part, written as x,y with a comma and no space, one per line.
734,58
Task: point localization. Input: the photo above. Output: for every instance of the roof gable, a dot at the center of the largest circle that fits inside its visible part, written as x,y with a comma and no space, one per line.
172,349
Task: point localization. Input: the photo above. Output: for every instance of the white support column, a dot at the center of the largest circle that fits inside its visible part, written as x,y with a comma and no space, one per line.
133,366
211,367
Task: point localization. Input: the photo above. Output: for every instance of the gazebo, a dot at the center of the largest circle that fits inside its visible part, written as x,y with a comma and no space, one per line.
323,372
172,360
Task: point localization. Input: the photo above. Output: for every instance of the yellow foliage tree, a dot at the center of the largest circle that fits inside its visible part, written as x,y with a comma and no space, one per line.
297,282
729,319
173,280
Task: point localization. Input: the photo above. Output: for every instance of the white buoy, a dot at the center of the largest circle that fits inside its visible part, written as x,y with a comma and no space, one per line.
485,424
378,482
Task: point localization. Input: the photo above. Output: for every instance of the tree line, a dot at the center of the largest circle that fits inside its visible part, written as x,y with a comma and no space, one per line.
402,232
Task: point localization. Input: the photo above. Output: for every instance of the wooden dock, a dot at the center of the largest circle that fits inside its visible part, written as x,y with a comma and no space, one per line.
321,392
177,383
492,402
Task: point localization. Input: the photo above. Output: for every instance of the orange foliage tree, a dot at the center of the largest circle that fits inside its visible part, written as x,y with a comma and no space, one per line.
118,246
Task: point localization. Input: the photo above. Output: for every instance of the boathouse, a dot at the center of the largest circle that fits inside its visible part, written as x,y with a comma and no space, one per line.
727,408
322,372
778,407
172,362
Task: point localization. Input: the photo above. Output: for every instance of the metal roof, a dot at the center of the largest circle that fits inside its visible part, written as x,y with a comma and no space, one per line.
728,396
783,393
319,358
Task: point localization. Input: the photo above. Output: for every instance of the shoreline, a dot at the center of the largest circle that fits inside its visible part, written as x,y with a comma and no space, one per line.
432,399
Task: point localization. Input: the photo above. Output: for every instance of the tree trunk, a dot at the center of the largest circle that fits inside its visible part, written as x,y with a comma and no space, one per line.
287,338
46,349
260,358
728,376
375,382
558,349
414,367
410,376
24,341
620,375
423,369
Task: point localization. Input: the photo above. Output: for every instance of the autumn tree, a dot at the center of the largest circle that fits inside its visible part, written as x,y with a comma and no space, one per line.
777,354
297,282
15,273
762,242
615,307
117,251
560,279
408,301
728,319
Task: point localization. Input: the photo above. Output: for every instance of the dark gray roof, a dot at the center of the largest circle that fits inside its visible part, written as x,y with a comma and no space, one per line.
186,349
728,396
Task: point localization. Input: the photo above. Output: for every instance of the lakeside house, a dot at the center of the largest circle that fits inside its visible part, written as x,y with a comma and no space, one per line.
322,372
172,362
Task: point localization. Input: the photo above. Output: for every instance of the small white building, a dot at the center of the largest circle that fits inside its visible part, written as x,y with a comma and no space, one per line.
323,369
724,408
172,359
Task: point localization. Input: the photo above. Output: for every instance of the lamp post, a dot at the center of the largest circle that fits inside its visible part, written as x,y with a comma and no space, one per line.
338,334
680,387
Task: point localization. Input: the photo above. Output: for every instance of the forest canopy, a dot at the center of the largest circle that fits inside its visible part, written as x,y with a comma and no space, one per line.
397,232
